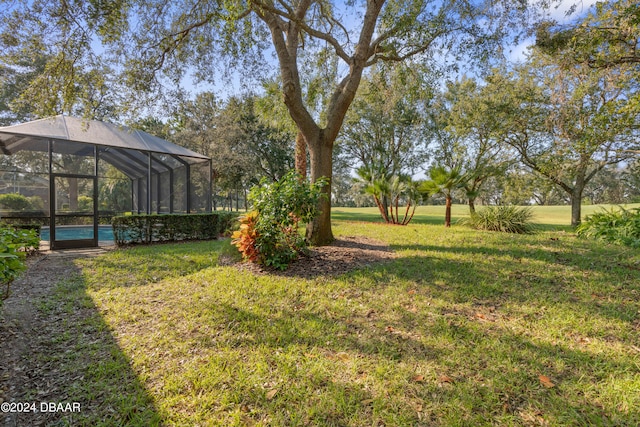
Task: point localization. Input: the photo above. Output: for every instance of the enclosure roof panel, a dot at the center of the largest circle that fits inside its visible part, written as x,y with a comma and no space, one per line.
95,132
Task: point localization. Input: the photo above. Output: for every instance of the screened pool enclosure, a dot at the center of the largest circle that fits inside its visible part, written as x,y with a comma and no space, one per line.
65,172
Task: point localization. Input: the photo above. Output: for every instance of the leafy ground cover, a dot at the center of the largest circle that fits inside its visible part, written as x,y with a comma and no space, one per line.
461,327
620,226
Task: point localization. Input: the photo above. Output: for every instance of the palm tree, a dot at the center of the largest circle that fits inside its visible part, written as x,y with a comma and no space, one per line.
413,196
388,192
444,181
376,186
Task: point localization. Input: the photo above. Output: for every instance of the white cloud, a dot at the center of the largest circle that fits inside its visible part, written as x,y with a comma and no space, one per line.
559,13
519,53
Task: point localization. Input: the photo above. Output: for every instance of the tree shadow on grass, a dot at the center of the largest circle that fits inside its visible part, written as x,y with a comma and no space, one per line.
475,353
558,272
494,368
479,378
71,357
361,334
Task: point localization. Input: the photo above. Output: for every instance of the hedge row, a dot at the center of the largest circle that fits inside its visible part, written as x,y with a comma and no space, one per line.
41,218
171,227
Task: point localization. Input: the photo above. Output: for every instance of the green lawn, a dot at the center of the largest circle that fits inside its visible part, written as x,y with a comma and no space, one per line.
464,328
547,217
423,215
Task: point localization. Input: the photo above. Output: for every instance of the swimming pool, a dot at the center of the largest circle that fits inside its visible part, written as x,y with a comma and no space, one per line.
79,232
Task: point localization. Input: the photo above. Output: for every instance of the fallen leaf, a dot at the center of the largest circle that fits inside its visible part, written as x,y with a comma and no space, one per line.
546,381
445,379
412,292
418,378
271,393
389,329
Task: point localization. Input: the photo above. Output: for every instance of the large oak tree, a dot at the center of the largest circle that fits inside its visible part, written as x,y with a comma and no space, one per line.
160,40
566,123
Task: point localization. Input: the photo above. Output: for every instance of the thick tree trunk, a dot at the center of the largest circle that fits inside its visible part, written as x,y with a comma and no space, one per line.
576,196
472,205
447,212
319,230
301,155
576,206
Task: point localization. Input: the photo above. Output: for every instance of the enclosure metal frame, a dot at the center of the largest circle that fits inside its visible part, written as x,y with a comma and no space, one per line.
131,165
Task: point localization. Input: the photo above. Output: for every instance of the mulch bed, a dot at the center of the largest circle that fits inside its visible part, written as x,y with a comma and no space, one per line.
344,255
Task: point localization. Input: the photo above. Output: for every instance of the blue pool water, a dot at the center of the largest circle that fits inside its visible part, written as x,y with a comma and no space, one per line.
78,232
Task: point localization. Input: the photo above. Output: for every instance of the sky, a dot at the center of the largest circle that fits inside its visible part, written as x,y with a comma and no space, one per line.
558,14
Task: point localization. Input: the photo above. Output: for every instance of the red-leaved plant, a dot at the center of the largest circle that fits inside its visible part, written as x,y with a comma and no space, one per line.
245,238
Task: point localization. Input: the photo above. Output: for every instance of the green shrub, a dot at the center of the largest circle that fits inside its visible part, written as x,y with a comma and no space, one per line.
15,202
619,226
281,206
29,236
14,245
507,219
132,229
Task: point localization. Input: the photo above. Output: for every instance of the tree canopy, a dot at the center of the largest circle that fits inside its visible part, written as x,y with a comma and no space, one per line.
384,129
608,38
